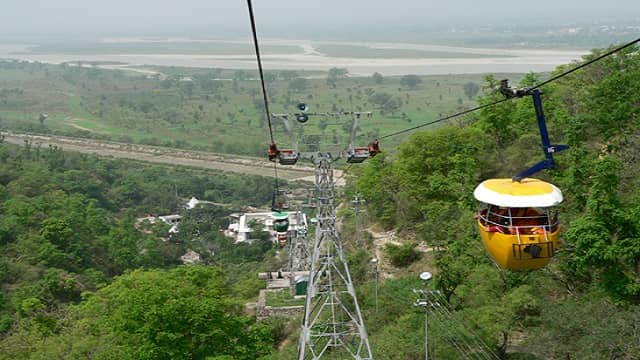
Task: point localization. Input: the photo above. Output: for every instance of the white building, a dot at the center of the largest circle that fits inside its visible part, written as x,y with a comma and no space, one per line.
239,228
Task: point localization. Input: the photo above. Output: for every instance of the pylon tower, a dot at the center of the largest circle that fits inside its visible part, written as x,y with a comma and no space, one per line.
298,249
332,326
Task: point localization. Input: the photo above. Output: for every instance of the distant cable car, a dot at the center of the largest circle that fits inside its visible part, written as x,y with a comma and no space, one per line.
374,148
282,239
288,157
517,224
285,156
280,222
281,227
357,154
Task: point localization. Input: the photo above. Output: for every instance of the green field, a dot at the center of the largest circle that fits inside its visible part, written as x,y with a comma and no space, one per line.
186,108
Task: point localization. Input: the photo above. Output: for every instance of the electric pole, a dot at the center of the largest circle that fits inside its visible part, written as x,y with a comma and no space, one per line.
356,202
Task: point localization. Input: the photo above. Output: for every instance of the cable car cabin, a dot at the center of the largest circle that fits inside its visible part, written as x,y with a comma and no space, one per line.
374,148
273,152
282,239
517,224
280,222
358,155
288,157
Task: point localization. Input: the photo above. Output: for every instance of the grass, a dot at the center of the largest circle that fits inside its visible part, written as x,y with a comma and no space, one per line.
228,118
281,298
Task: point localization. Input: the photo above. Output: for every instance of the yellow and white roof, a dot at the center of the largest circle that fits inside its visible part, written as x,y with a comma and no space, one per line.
526,193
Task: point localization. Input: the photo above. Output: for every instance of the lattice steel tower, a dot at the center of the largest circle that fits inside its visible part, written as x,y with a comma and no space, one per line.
332,327
298,248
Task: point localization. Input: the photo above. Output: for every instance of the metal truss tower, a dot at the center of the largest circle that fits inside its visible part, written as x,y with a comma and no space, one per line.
298,249
332,327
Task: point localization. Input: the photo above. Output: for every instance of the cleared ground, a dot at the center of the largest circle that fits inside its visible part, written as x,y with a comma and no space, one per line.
169,156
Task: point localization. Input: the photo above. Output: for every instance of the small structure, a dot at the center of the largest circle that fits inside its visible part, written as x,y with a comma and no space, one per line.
301,284
192,203
171,219
190,258
288,303
239,228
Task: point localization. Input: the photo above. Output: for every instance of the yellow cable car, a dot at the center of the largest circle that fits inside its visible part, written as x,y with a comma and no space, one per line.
517,224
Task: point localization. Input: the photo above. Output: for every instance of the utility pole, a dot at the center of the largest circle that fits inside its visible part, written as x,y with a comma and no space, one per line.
332,324
425,304
375,261
356,202
298,247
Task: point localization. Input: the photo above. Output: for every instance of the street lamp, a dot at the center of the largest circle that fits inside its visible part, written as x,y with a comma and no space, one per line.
375,262
424,303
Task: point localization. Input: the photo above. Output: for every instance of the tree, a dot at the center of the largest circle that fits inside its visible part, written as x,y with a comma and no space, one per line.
210,85
184,313
298,84
394,104
471,89
410,81
42,117
377,78
380,99
288,75
335,74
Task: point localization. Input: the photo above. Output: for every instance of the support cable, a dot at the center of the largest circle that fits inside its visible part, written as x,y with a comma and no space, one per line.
557,77
444,306
443,313
598,58
463,345
262,82
444,118
264,97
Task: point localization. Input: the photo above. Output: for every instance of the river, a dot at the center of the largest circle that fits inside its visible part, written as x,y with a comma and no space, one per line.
309,58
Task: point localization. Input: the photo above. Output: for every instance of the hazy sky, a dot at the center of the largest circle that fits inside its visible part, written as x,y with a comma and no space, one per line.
19,17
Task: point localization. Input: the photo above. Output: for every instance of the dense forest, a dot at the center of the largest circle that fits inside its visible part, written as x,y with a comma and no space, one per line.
80,281
585,305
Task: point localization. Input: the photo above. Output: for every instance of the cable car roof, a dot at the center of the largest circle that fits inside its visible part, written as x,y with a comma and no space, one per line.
526,193
280,215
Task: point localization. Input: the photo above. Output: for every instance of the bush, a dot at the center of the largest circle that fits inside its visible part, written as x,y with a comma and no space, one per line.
402,255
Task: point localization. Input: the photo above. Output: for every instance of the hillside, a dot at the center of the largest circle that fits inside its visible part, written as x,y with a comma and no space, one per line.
79,280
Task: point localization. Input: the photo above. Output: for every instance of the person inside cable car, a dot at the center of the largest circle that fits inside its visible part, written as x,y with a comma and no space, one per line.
527,221
494,219
273,152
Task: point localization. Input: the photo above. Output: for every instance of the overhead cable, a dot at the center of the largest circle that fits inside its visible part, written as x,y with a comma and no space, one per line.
606,54
264,96
262,82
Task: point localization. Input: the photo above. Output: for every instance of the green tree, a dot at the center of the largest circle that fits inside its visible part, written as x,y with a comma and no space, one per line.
298,84
471,89
410,81
335,74
377,78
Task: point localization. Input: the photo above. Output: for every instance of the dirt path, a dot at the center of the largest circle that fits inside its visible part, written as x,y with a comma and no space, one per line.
380,239
170,156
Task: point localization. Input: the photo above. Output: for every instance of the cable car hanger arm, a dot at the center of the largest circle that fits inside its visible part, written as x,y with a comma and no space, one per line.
548,148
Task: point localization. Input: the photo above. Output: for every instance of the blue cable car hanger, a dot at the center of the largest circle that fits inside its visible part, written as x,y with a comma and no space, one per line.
547,147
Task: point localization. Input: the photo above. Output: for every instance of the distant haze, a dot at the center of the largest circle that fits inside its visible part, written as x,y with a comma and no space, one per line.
113,17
